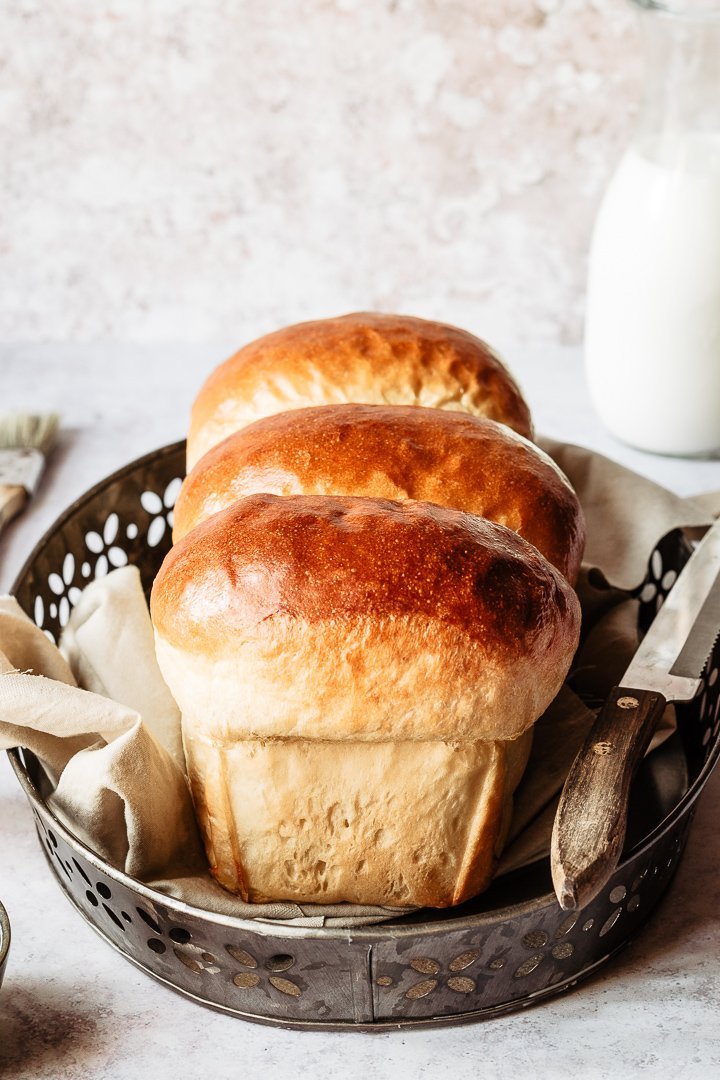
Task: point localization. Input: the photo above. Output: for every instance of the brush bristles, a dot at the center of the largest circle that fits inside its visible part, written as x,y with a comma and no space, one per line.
21,430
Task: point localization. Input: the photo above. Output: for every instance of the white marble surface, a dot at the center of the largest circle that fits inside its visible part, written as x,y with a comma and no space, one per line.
170,169
72,1008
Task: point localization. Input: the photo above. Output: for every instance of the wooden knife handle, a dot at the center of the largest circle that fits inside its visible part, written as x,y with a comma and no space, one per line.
12,499
591,819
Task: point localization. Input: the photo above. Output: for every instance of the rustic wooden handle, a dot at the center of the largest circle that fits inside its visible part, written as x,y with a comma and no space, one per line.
591,819
12,499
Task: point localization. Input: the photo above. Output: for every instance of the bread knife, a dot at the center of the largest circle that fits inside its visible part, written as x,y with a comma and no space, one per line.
591,819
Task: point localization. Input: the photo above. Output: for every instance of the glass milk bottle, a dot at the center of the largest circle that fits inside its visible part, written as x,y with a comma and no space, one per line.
652,334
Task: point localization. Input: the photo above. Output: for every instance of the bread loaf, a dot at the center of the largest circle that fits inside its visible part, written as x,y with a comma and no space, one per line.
358,679
367,358
394,452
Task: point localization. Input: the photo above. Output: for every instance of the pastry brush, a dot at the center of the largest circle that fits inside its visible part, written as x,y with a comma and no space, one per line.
25,442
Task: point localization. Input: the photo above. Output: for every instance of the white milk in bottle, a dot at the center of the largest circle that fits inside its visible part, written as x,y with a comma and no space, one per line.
652,334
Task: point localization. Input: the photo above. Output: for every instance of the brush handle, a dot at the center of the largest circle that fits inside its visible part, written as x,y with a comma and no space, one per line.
12,500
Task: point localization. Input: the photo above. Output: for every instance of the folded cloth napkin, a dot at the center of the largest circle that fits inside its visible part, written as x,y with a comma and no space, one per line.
114,768
107,732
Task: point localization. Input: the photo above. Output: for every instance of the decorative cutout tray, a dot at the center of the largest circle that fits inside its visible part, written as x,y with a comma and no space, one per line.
507,949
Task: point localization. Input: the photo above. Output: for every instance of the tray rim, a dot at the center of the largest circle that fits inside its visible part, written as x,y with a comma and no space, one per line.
538,997
379,931
5,938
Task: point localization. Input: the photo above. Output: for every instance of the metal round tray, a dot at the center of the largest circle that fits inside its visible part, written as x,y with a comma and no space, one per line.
507,949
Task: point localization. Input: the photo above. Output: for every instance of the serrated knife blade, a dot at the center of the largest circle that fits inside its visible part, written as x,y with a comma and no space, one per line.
591,819
673,653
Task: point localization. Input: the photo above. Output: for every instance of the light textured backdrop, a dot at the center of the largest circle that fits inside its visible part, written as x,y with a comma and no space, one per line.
208,169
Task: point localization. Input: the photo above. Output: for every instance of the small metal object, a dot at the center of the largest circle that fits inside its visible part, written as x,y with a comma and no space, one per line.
21,467
684,630
4,941
494,955
25,442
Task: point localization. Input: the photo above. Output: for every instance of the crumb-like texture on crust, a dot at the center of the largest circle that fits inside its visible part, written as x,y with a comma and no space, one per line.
365,357
394,452
326,617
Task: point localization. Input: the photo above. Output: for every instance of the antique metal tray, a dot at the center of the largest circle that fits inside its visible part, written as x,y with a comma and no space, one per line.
507,949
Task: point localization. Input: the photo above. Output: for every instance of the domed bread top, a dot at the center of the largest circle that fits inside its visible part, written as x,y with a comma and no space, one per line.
367,358
394,452
349,617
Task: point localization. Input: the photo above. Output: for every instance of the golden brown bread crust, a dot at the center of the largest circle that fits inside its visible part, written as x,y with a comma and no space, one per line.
394,452
364,357
358,679
322,603
316,559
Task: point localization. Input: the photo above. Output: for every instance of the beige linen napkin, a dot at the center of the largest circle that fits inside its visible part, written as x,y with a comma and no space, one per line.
626,513
112,750
109,780
116,780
